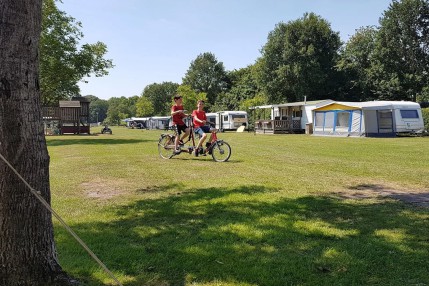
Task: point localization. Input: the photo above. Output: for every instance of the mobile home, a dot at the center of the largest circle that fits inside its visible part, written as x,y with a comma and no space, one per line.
159,122
228,120
291,117
372,118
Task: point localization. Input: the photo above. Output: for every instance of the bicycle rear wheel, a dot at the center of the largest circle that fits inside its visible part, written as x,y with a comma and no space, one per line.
166,146
221,151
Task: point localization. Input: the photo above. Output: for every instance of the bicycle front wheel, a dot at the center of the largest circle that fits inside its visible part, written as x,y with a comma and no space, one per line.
166,146
221,151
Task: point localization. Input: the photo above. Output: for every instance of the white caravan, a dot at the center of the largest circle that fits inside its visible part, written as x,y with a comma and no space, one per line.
228,120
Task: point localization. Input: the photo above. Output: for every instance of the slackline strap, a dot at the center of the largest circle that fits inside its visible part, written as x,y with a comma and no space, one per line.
49,208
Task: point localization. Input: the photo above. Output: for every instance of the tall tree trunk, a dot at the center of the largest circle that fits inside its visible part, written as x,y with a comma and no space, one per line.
27,248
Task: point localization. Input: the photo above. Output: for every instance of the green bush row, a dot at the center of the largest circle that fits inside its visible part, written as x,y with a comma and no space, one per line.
425,113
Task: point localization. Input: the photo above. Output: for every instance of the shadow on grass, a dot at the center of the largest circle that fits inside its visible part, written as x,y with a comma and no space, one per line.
187,157
234,236
413,197
86,141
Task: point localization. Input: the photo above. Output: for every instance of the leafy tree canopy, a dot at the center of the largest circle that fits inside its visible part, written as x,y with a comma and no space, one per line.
356,64
298,60
97,108
207,75
243,86
121,108
401,67
62,62
144,107
190,97
160,95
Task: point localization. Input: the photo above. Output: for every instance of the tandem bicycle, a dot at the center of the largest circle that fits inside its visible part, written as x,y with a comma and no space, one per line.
217,148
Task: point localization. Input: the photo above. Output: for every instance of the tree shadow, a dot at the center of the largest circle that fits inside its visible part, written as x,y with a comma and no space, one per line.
362,191
188,157
207,235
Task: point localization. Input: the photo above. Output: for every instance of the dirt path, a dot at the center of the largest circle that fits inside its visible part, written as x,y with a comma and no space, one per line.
417,198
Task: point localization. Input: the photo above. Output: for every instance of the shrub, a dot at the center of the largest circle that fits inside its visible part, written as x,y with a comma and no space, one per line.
425,113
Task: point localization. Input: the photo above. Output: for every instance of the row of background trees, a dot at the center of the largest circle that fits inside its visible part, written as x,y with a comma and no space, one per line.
301,58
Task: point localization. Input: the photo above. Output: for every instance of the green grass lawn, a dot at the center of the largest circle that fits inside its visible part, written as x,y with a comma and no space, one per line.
285,210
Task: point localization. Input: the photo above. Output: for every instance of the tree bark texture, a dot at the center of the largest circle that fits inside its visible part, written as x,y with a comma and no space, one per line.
27,248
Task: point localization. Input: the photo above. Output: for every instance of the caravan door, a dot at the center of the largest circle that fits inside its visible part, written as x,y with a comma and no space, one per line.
385,121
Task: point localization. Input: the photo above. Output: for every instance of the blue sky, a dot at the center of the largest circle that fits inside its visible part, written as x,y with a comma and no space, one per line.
155,41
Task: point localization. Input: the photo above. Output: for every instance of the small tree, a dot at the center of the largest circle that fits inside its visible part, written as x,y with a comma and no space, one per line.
254,114
144,107
425,113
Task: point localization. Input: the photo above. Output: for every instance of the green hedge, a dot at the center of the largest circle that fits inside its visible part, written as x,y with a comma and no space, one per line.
425,113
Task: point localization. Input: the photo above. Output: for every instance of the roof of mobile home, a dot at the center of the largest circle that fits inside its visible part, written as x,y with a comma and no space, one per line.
299,103
228,111
140,118
368,105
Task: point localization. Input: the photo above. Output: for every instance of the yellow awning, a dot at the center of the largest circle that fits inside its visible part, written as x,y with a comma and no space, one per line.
336,106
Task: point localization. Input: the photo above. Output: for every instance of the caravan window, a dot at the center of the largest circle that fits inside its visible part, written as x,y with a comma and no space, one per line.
297,113
409,113
238,116
225,118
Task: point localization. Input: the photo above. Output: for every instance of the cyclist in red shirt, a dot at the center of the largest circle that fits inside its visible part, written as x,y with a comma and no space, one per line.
200,119
177,113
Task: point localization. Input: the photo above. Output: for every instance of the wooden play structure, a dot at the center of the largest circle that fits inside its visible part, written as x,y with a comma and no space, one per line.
70,117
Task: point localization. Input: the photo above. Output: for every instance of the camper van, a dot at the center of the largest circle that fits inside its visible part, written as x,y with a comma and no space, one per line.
228,120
